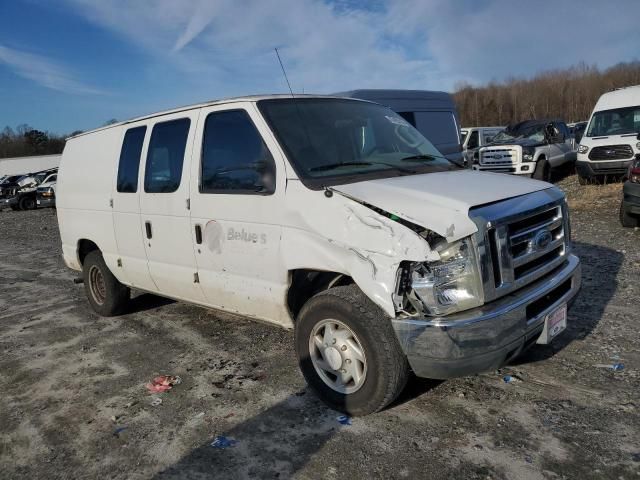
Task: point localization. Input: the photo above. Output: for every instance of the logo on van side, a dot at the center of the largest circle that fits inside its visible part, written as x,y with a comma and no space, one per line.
246,236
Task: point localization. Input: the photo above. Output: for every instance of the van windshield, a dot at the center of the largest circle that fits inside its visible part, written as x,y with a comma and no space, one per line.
617,121
334,141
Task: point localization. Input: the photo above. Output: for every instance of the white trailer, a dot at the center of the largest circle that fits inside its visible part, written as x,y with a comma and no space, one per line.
23,165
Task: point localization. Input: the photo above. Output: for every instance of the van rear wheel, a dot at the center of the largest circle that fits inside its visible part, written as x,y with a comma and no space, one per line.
348,351
106,295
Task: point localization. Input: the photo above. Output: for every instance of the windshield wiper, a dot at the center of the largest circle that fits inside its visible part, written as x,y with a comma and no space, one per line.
422,156
331,166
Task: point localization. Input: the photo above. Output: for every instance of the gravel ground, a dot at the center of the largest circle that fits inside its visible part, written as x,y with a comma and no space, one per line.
74,403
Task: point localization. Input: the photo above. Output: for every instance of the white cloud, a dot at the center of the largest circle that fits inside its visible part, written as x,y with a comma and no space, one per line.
43,71
496,39
228,45
231,43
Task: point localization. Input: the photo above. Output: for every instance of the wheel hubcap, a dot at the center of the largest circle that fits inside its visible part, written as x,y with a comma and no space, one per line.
96,285
337,356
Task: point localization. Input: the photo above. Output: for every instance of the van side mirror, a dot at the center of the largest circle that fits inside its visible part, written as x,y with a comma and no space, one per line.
551,133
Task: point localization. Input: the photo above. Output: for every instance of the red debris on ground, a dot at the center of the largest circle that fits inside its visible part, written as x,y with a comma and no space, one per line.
162,383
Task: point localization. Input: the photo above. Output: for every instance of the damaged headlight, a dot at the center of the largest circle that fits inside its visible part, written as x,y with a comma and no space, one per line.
451,284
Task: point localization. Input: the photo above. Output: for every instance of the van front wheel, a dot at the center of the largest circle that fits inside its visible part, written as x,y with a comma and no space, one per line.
106,295
348,351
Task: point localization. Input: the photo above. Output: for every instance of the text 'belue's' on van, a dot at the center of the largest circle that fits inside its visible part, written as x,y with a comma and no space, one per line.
331,216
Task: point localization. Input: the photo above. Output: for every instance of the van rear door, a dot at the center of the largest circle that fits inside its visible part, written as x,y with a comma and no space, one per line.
164,206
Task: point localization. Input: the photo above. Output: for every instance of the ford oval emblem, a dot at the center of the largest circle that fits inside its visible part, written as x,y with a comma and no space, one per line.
497,156
542,239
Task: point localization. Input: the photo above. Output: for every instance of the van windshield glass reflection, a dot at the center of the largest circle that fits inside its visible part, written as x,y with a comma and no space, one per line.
332,138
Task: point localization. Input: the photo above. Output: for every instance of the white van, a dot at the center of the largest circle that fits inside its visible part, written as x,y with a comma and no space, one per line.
331,216
612,138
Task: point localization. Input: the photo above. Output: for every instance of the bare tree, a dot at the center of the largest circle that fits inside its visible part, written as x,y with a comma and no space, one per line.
569,94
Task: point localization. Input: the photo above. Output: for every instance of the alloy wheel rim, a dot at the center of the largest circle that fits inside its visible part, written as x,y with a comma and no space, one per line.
337,356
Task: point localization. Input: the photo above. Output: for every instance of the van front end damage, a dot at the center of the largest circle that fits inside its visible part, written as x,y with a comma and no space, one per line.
458,305
339,234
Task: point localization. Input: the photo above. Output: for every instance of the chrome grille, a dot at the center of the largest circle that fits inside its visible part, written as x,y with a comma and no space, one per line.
520,240
498,156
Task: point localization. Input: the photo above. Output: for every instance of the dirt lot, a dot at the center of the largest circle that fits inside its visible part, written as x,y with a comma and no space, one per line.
73,402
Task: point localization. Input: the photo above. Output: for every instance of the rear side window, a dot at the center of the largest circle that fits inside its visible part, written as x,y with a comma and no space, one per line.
129,164
235,159
165,157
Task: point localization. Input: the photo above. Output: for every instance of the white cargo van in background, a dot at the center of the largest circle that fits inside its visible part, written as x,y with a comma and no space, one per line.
433,114
610,141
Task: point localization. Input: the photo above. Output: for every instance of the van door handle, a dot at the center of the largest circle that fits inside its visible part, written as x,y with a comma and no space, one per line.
198,234
147,227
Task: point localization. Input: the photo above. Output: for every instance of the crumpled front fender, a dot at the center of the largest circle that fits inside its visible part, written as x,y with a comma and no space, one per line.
336,233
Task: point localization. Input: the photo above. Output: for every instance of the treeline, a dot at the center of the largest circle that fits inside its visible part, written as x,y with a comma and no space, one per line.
568,94
25,141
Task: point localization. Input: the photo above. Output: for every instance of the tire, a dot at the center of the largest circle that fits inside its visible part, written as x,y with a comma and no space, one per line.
583,180
542,171
106,295
27,203
385,369
626,219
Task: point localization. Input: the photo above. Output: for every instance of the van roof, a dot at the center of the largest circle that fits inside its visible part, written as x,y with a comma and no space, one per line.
249,98
618,98
405,100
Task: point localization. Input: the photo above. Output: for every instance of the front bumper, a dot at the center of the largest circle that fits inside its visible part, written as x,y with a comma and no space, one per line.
526,168
588,169
8,202
43,202
631,197
486,337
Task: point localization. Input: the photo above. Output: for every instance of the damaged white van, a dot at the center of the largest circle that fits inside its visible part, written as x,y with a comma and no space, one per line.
331,216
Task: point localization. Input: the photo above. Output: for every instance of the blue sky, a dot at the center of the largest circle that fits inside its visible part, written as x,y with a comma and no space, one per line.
74,64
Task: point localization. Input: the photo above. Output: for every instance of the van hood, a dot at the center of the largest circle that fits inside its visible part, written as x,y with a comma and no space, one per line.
440,201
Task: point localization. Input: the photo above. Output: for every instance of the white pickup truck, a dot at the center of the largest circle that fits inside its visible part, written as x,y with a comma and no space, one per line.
533,148
331,216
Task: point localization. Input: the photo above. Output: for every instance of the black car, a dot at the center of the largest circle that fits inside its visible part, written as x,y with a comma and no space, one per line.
630,206
22,194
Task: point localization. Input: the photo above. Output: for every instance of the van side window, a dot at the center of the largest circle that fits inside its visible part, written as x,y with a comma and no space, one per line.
235,159
165,156
129,164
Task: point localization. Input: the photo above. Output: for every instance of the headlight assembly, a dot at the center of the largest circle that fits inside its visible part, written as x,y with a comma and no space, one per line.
527,154
451,284
583,149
